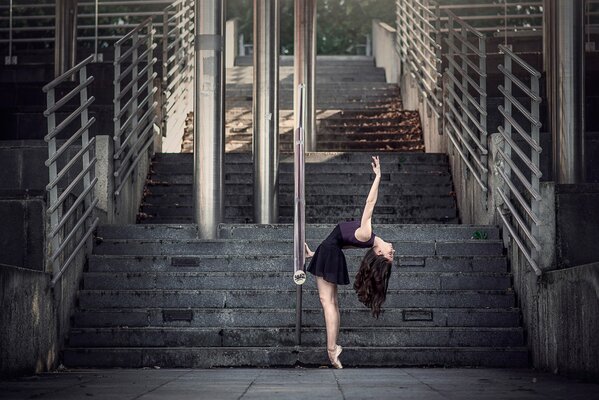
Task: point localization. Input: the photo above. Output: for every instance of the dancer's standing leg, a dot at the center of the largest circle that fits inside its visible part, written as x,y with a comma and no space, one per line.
328,299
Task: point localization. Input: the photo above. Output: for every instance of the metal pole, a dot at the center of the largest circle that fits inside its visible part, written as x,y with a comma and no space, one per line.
96,29
65,37
209,149
299,214
564,65
266,111
304,64
10,60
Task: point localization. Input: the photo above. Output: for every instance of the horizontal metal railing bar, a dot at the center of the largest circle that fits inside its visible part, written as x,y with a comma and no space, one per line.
420,17
131,117
468,18
519,219
471,116
84,239
141,59
129,85
425,8
73,207
27,28
57,81
125,3
146,23
465,159
520,175
127,54
185,38
149,141
471,150
69,119
70,164
473,6
466,76
520,107
127,105
73,232
519,243
133,149
524,87
527,160
521,199
70,141
464,57
65,99
520,61
465,42
134,131
464,24
525,135
71,186
470,98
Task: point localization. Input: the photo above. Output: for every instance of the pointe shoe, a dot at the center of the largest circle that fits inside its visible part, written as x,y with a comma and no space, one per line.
334,356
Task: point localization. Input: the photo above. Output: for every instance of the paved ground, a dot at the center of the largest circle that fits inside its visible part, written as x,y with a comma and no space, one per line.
309,384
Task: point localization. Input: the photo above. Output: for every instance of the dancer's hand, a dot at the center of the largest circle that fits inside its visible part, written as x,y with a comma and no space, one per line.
376,166
309,253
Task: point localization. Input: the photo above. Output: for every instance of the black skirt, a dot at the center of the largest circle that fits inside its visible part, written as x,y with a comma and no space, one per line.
329,261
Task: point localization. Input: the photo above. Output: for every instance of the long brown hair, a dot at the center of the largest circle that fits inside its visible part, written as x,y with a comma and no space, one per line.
372,280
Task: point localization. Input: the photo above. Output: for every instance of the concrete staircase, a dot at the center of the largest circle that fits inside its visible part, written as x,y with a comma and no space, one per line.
157,295
415,188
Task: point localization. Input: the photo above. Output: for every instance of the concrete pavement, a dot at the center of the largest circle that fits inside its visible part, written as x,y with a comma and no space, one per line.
299,383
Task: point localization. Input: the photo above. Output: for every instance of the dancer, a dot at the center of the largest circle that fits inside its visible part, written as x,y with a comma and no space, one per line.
329,266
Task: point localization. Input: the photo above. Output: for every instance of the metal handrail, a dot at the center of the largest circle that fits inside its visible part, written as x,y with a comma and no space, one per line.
299,206
522,201
134,102
417,43
177,66
71,222
466,126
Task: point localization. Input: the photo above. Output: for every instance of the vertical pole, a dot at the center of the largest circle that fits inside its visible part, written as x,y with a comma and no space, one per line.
304,64
65,37
96,9
266,111
299,214
10,16
565,71
209,149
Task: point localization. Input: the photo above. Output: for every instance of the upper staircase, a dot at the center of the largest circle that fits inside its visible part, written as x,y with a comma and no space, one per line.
156,295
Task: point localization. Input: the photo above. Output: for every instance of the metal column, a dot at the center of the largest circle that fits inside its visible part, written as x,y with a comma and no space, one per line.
564,65
209,106
304,64
65,36
266,111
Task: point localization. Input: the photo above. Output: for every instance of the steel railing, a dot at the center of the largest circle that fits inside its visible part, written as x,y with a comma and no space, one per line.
465,96
177,65
509,17
98,22
134,103
71,199
417,40
518,156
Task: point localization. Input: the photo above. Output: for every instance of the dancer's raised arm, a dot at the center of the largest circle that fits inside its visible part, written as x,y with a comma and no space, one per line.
364,232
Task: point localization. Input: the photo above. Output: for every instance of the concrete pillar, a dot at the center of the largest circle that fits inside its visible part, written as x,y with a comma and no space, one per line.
231,29
563,26
65,36
209,123
266,111
304,63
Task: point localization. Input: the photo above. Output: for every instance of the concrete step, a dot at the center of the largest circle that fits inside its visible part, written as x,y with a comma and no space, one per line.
286,298
389,189
311,317
281,247
285,231
210,357
440,210
186,200
431,178
283,263
276,337
248,219
280,280
319,157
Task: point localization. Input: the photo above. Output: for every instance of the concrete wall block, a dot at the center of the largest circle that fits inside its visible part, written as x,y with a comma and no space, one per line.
383,46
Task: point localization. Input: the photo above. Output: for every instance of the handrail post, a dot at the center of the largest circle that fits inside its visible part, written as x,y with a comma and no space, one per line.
299,220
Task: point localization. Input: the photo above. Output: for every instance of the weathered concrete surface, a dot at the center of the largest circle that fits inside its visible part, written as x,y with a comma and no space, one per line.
576,241
299,383
560,315
35,318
